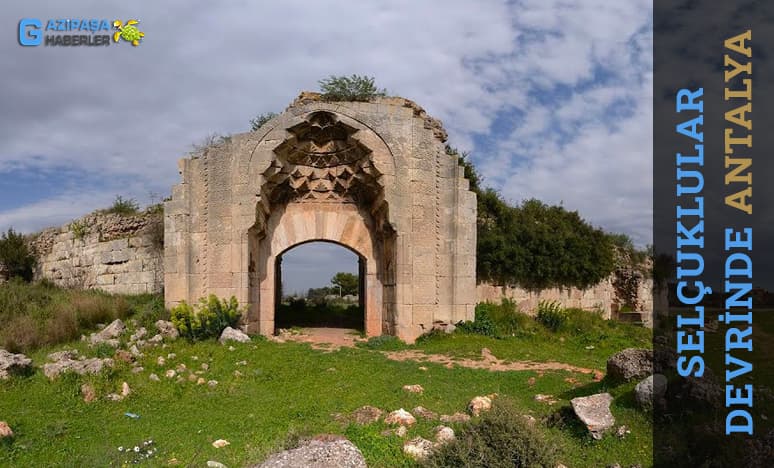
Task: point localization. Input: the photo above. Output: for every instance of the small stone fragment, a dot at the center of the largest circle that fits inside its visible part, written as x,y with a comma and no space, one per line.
154,377
220,443
167,329
594,412
443,435
424,413
170,373
413,388
125,390
212,383
479,405
161,361
418,448
88,392
232,334
5,430
400,417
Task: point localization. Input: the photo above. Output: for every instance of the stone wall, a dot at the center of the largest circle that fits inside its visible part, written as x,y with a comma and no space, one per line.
604,296
118,254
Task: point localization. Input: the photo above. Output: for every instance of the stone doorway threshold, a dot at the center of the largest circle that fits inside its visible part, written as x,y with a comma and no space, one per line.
321,338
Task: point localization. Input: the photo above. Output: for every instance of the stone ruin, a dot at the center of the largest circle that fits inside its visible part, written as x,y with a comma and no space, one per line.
373,177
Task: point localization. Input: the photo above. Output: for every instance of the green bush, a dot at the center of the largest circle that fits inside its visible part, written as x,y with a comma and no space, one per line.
481,325
16,256
552,315
538,246
502,437
350,88
208,319
123,206
384,343
39,314
260,120
79,229
499,321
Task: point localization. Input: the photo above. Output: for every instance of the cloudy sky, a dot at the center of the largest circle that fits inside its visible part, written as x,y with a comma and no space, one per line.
551,97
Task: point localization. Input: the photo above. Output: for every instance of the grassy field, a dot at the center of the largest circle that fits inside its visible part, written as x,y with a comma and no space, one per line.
287,391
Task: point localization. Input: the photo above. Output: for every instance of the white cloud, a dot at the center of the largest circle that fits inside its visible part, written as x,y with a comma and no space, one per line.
134,112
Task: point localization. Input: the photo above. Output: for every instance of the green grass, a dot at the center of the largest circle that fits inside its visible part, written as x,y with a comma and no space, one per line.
285,389
289,391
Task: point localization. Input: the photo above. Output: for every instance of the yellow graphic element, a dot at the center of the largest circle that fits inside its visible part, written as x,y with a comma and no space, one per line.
128,32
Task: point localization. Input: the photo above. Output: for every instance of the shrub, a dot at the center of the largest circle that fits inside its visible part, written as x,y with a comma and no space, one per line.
16,256
551,314
538,246
502,437
123,206
384,343
350,88
79,229
208,319
481,325
261,119
38,314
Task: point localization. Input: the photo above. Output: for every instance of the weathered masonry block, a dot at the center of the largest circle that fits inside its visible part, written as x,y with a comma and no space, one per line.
371,176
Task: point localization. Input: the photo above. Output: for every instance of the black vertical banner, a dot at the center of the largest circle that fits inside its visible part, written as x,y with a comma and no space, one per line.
713,232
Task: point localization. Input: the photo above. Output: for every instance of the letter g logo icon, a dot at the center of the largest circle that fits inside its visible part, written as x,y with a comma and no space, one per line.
30,33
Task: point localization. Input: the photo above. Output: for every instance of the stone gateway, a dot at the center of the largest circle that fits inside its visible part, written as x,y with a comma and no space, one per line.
373,177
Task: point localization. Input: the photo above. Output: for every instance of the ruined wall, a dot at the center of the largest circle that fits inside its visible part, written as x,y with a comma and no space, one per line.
605,296
118,254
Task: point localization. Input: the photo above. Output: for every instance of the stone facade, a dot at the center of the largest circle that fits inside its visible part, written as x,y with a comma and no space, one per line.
371,176
118,254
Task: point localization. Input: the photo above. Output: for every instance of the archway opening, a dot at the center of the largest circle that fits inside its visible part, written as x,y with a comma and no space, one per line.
320,284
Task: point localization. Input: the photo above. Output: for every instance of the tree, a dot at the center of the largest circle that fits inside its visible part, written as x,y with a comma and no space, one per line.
16,256
261,119
350,88
348,282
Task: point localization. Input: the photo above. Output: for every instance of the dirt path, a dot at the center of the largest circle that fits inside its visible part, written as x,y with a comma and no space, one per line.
332,339
488,361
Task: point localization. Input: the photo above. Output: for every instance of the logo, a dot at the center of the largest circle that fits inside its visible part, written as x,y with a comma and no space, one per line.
30,32
128,32
78,32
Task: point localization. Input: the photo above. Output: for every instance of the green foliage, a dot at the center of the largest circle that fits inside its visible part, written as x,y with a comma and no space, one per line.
208,319
538,246
16,256
463,159
501,438
482,325
499,321
348,282
39,314
79,229
350,88
260,120
123,206
384,343
551,314
155,208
